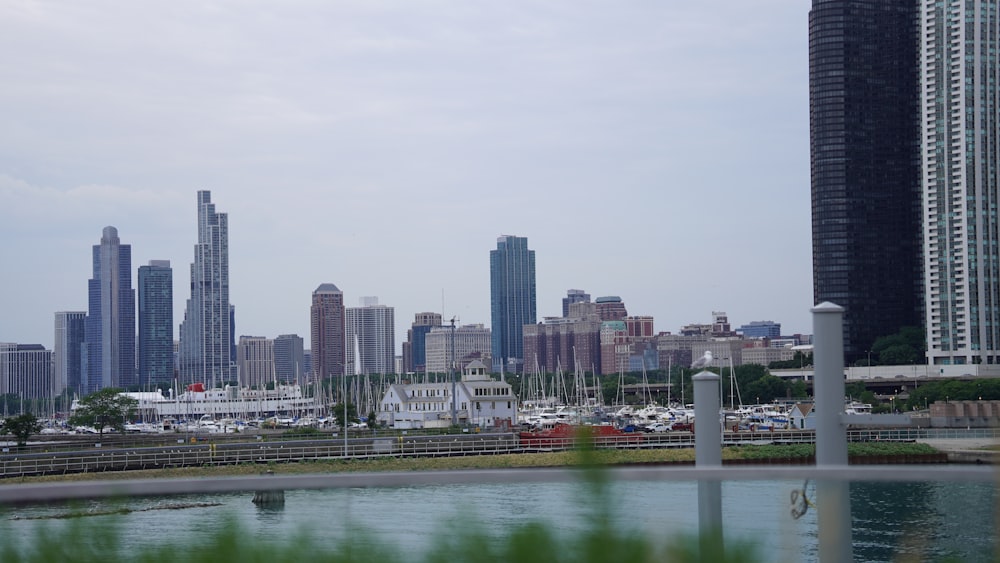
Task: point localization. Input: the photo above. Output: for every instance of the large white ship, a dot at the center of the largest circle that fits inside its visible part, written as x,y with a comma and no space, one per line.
229,402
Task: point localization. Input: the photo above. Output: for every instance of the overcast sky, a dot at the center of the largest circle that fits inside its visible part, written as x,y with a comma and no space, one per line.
656,150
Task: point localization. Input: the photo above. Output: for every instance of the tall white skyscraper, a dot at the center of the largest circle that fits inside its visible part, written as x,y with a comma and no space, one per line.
371,338
960,144
206,334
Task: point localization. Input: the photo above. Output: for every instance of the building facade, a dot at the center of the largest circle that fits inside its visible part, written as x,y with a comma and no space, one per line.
26,371
109,358
573,296
328,322
562,344
960,113
206,333
760,329
156,323
478,400
611,308
865,170
371,338
512,300
255,358
289,359
415,347
67,353
472,342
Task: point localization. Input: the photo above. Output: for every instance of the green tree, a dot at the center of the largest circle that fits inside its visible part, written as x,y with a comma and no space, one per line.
854,389
352,414
767,388
21,426
798,361
372,422
798,388
906,347
106,408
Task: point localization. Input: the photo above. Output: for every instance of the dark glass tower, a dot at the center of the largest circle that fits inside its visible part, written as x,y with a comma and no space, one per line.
156,323
512,300
109,354
864,104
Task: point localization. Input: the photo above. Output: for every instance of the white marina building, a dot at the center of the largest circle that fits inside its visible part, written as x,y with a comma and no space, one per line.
479,400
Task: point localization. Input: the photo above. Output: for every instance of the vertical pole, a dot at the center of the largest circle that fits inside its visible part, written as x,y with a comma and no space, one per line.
451,372
833,498
708,453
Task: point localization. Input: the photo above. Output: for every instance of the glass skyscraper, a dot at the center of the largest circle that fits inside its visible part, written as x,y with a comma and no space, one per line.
206,333
67,354
371,339
512,300
864,105
109,331
960,106
288,359
156,323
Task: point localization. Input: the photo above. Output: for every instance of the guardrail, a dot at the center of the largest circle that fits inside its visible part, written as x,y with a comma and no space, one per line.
230,452
42,492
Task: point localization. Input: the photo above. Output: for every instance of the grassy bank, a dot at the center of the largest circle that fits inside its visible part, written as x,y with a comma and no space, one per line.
553,459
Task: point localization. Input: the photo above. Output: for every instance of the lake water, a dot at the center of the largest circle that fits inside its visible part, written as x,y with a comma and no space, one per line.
929,520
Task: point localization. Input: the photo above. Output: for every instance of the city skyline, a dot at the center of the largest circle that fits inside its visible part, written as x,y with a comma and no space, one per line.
655,152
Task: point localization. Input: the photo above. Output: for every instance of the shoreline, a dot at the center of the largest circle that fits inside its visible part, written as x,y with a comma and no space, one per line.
867,454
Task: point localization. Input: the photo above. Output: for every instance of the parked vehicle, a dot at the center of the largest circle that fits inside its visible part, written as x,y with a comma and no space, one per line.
658,427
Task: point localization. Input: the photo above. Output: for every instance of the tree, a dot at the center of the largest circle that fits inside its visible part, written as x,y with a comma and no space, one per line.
798,361
352,414
372,421
21,426
906,347
767,388
798,388
106,408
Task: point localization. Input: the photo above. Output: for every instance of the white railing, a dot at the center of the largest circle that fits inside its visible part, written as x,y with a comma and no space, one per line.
35,462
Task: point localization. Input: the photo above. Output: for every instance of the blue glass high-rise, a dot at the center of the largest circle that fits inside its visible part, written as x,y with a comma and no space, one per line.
512,300
156,323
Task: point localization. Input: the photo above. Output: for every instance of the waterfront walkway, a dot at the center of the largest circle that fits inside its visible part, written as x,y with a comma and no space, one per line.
967,450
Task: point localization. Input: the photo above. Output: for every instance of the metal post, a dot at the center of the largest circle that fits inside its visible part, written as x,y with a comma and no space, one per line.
708,453
451,373
833,498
